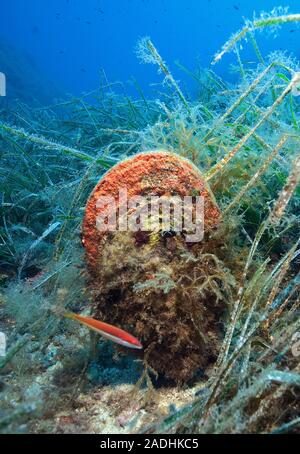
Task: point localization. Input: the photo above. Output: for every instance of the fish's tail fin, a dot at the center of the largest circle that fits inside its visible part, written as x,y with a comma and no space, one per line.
59,311
69,315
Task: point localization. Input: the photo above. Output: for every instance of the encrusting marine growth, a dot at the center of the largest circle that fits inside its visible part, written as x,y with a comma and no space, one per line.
155,283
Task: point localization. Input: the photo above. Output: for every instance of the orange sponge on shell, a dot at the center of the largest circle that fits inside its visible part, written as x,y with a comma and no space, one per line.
157,173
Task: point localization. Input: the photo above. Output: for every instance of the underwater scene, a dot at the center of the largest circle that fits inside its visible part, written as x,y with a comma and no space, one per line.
149,217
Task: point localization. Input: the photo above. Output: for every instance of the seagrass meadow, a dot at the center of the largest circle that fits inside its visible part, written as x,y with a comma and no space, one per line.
230,363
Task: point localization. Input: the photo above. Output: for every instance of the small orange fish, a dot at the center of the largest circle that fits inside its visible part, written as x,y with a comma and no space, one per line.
110,332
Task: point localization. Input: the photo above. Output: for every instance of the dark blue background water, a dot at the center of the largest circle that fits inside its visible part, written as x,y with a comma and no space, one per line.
71,40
